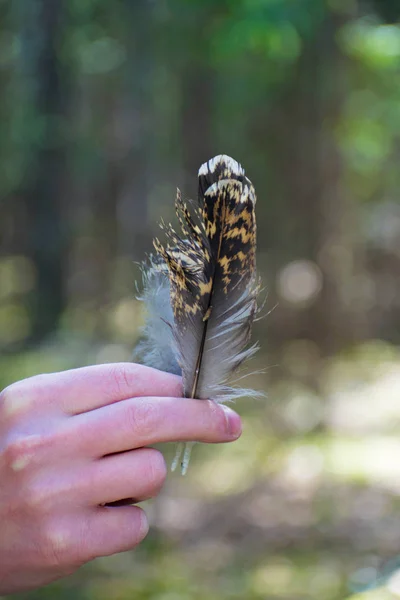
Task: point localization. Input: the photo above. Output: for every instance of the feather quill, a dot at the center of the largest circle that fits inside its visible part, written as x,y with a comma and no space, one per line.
200,289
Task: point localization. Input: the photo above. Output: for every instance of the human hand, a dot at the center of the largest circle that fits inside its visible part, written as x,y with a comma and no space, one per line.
75,441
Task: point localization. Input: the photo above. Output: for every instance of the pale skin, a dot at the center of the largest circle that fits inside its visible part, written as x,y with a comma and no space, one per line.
72,443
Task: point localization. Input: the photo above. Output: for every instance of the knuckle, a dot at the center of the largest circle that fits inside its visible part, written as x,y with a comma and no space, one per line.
142,416
32,496
21,396
17,453
36,499
120,381
20,452
15,397
11,454
54,546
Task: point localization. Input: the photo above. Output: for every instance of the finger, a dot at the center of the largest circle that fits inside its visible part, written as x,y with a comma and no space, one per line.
109,530
138,475
145,421
87,388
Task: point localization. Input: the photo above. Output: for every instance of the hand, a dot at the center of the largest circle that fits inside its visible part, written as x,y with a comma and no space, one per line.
73,442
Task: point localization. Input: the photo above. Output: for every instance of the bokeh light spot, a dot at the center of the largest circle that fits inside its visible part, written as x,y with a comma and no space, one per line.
300,282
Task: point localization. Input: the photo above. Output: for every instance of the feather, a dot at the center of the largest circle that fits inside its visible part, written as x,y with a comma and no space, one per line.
156,348
201,288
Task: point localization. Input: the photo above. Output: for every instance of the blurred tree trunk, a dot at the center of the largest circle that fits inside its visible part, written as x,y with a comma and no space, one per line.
7,208
44,92
122,102
136,120
316,214
338,253
197,104
197,94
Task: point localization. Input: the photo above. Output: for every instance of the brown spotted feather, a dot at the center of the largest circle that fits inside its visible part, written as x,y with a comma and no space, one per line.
212,280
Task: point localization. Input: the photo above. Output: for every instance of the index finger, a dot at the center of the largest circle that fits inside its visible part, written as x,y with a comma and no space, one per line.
84,389
139,422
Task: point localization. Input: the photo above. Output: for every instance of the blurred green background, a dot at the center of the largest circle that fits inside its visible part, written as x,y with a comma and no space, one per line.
105,108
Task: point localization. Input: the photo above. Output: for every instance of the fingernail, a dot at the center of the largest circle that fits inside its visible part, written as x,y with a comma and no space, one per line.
144,525
233,422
